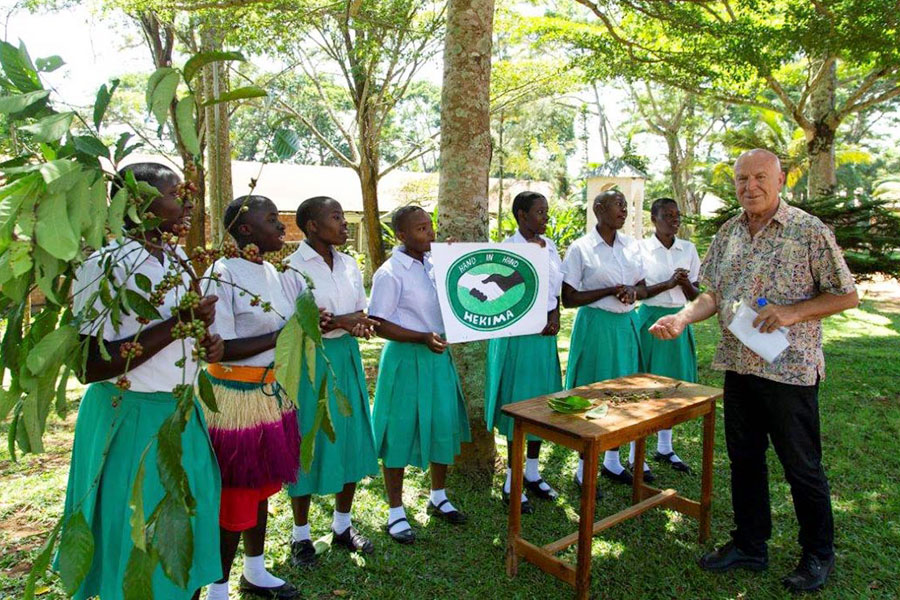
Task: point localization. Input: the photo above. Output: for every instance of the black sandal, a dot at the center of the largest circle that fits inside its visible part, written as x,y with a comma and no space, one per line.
454,517
407,536
675,464
535,488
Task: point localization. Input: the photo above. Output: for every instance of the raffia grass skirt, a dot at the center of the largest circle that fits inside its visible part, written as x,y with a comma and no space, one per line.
671,358
351,456
605,345
420,416
127,429
519,368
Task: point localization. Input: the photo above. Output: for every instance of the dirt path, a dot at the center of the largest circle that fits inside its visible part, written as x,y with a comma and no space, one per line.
884,292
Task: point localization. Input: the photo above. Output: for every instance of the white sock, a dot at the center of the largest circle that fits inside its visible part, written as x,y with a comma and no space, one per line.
438,496
531,469
217,591
340,522
631,458
393,515
300,533
664,441
255,572
612,463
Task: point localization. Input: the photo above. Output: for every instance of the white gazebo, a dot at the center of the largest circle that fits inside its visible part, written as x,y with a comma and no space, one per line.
616,173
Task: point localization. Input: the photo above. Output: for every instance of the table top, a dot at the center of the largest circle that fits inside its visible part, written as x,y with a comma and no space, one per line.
635,402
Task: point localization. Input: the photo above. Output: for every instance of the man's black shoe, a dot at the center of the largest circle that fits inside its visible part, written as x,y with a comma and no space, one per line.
730,557
810,575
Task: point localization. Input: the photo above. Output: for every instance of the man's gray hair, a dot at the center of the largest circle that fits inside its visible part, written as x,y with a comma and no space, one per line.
760,151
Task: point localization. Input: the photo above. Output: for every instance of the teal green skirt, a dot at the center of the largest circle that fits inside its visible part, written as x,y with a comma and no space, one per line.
672,358
605,345
352,454
518,368
129,428
420,416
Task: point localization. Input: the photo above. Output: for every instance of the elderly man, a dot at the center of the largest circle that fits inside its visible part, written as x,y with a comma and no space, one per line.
790,258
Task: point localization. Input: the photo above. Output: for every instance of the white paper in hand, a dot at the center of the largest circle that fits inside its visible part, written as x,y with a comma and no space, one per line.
768,345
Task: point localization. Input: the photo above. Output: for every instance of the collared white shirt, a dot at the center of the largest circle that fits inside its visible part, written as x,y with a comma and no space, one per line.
556,277
659,264
338,290
236,317
127,259
592,264
404,293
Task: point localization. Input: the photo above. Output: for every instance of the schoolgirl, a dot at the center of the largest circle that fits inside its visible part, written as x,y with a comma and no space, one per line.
420,417
522,367
254,432
672,267
131,394
337,466
603,275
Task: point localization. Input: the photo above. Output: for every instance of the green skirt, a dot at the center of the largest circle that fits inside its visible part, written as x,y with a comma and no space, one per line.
419,413
128,429
605,345
672,358
352,454
518,368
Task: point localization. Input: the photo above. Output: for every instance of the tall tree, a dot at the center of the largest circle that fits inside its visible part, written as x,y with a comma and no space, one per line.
818,63
463,187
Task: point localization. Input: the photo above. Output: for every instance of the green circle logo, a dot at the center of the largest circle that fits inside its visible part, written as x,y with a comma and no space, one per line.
491,289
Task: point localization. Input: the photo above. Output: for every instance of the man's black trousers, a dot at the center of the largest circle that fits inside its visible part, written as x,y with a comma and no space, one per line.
757,410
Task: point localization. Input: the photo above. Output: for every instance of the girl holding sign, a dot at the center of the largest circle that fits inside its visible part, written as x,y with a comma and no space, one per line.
526,366
254,432
420,417
337,466
603,275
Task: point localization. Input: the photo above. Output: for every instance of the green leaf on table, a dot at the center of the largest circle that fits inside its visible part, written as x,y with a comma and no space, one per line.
52,230
19,102
104,95
40,564
136,504
288,357
137,584
76,552
187,124
242,93
174,540
90,145
205,391
201,59
599,412
161,91
285,143
50,128
53,349
49,64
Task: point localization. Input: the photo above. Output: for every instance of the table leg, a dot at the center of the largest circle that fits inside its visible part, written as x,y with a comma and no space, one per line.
706,482
515,498
586,522
639,450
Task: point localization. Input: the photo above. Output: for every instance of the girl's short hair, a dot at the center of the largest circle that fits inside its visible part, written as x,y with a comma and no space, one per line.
524,201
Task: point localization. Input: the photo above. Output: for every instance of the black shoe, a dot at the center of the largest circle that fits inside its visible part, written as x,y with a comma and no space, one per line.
284,591
730,557
624,477
303,554
353,541
598,494
407,536
527,507
810,575
535,488
453,517
675,464
649,477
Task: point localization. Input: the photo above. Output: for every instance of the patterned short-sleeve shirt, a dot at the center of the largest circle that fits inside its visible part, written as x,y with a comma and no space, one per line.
793,258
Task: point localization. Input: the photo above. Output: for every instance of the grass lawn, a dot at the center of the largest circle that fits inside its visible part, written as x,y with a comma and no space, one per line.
653,557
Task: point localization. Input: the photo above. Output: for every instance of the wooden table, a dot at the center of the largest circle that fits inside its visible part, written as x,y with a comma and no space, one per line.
670,402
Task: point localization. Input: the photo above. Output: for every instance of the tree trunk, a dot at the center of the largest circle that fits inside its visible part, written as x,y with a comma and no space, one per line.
463,189
218,156
368,181
820,139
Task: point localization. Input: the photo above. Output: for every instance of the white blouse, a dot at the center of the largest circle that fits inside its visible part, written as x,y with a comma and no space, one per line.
556,276
340,291
236,317
659,264
592,264
128,259
404,293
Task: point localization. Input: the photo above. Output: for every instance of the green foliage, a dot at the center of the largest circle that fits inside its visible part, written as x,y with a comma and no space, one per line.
76,551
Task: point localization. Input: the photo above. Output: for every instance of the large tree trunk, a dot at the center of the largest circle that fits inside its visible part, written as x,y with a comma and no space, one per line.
820,140
463,189
368,181
218,156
